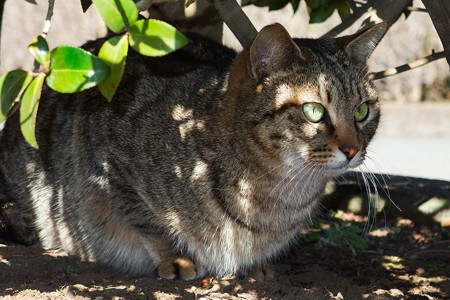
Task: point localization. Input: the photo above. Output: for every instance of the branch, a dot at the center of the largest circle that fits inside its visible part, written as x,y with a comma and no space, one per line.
235,18
418,9
47,26
439,13
352,4
357,13
48,18
406,67
385,11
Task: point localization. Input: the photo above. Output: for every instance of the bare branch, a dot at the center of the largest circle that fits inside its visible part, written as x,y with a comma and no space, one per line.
417,9
238,22
48,18
47,26
439,13
357,13
406,67
385,11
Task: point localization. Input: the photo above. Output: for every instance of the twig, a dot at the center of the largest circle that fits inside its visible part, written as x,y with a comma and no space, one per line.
47,26
406,67
439,14
418,9
357,13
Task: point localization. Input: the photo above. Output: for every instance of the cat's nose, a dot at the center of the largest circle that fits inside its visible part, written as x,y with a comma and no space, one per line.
349,151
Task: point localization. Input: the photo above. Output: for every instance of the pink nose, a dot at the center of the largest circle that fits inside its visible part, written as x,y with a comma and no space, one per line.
349,151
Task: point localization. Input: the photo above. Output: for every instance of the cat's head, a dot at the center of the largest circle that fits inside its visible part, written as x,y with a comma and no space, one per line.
308,101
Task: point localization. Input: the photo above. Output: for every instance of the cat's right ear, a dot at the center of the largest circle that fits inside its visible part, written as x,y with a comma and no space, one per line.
272,50
360,46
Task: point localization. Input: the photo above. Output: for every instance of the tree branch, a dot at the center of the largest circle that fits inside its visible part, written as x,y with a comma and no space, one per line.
235,18
47,26
438,10
357,13
417,9
385,11
406,67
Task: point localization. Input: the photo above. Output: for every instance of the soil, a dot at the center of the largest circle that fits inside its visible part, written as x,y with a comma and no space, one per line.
397,260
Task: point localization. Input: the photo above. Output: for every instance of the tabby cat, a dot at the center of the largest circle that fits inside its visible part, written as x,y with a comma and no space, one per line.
206,161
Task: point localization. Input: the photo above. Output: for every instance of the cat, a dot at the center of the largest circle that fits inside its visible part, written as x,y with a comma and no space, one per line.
207,161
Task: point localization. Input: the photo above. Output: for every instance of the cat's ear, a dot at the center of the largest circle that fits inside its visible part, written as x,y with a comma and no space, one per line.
360,46
271,50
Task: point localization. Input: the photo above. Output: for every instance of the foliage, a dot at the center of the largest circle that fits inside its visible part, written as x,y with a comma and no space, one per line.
68,69
343,234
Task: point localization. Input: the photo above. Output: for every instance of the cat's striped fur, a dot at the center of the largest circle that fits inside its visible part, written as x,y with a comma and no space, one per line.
203,155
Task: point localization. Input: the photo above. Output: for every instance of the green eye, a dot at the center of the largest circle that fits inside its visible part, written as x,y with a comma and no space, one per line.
314,112
361,112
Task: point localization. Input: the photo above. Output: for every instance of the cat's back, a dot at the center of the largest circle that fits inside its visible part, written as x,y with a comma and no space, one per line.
151,94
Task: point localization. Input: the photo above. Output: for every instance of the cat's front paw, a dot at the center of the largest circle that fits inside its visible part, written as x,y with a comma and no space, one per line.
182,268
262,273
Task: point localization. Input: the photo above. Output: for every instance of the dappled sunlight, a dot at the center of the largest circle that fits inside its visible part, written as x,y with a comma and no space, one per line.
186,116
199,171
178,172
245,194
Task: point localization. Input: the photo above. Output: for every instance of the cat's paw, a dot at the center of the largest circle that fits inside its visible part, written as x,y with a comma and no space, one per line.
182,268
262,274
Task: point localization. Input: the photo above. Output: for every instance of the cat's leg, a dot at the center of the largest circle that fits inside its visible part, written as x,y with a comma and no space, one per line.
169,262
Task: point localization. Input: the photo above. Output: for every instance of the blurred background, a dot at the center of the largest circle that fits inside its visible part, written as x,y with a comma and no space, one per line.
414,135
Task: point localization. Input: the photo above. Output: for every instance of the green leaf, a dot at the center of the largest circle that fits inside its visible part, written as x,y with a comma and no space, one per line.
277,4
113,52
28,109
313,4
117,14
85,4
39,49
320,10
73,69
12,85
155,38
343,9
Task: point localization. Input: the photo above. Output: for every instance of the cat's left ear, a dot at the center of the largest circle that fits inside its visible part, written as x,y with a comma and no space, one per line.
360,46
272,50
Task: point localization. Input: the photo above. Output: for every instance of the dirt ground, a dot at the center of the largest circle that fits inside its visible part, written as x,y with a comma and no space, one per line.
396,260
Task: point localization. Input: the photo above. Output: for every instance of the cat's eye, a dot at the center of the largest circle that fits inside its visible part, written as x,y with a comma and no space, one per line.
314,112
361,112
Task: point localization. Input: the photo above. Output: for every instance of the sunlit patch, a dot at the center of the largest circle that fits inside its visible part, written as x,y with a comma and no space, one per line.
284,94
190,125
309,131
180,113
178,172
199,170
174,220
245,194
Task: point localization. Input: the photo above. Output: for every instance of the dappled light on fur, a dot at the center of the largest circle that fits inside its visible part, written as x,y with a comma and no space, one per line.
186,116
